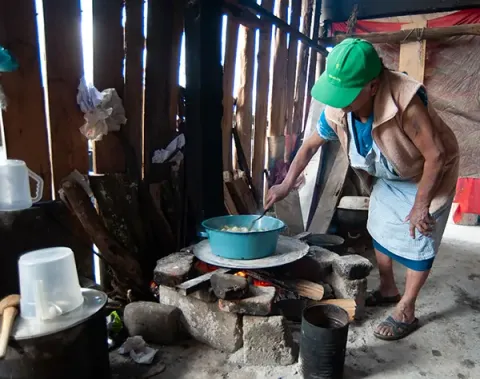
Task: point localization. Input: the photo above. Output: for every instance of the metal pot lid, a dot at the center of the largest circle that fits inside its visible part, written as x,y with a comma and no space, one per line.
288,250
358,203
93,301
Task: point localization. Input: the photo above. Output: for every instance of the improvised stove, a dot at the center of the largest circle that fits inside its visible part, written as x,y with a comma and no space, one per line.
253,322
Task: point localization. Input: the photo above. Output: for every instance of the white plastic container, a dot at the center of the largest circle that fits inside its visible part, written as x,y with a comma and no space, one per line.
49,284
15,185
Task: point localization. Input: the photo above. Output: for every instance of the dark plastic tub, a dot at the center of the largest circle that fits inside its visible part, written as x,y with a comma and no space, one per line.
323,342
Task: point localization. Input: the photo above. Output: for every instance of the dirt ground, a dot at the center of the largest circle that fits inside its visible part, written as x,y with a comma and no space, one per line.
446,346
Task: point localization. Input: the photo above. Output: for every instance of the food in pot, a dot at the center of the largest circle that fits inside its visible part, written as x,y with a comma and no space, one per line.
239,229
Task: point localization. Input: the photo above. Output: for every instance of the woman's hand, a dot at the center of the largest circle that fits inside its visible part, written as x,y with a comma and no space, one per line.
275,194
420,219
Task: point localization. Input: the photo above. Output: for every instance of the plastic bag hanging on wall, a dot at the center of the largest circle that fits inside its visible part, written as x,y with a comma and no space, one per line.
103,111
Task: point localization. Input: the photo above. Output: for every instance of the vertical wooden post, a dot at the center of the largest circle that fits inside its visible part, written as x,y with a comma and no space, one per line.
313,55
279,82
292,64
261,106
203,149
290,137
299,102
25,121
412,54
108,56
160,82
134,89
245,91
63,40
228,81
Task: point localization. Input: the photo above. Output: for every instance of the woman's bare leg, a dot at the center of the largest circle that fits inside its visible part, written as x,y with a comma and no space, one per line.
388,286
405,309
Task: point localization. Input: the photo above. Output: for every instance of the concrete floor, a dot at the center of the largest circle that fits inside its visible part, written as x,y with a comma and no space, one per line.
446,346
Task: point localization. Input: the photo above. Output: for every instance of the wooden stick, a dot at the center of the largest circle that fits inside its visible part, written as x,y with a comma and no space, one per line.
299,100
348,304
283,26
261,106
307,289
9,315
114,254
228,80
245,93
192,285
404,36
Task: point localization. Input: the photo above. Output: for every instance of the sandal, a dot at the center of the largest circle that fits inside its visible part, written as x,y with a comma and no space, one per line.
375,299
399,329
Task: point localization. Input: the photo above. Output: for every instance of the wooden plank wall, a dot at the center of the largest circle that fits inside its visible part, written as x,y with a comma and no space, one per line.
26,135
282,83
108,59
41,124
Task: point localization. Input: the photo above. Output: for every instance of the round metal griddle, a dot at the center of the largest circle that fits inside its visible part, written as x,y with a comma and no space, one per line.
288,250
93,302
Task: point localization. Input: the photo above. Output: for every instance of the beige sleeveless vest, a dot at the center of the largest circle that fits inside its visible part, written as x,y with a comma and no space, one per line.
395,93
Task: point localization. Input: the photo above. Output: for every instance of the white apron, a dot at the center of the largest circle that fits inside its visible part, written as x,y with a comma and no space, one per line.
391,200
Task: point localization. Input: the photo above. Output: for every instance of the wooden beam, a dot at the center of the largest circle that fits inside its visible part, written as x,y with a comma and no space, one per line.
24,121
63,41
279,80
134,92
204,95
340,10
261,106
334,168
108,56
245,92
283,25
228,81
405,36
299,100
412,54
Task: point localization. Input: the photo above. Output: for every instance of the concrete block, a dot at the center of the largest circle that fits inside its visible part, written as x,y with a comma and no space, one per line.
349,289
156,323
268,341
204,321
315,266
258,303
229,286
352,266
173,269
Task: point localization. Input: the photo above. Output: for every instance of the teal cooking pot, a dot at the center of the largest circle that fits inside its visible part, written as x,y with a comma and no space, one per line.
260,242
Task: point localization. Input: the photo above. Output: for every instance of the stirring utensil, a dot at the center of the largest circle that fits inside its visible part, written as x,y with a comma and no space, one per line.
258,218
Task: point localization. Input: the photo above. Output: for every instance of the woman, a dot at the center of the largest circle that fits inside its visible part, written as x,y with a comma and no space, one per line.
403,152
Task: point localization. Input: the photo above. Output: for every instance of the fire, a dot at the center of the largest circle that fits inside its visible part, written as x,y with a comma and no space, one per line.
205,267
258,283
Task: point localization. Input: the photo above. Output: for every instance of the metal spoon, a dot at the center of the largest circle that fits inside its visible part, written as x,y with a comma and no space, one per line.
258,218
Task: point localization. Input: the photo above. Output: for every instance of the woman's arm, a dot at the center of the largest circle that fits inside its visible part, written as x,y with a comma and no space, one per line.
419,127
308,149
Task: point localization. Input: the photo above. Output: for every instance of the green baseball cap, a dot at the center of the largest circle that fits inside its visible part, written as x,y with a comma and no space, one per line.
350,66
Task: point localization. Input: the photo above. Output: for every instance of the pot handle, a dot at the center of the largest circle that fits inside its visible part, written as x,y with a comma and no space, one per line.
202,234
39,186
